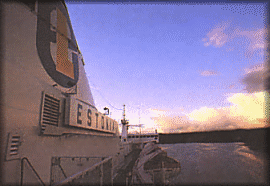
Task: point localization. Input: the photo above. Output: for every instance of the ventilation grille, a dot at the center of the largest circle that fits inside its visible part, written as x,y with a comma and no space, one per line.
50,112
14,146
13,143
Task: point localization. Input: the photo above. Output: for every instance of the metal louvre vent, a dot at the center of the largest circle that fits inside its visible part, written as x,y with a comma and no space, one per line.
50,111
15,142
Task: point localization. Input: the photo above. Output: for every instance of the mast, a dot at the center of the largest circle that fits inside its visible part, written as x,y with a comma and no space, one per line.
124,126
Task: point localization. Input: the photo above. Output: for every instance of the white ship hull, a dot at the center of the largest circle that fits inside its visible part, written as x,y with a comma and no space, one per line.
51,128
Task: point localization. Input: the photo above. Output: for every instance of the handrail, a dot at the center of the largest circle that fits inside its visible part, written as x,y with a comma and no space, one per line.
70,178
25,158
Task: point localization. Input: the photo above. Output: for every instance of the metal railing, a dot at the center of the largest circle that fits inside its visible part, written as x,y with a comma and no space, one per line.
98,174
22,166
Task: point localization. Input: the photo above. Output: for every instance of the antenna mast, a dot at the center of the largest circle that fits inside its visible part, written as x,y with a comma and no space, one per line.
124,125
124,121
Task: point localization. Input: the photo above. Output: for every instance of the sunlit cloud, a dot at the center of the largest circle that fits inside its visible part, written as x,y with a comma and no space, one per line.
157,112
203,114
247,110
208,73
148,124
250,106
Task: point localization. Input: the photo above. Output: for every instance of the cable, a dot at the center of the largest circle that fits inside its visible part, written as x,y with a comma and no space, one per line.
103,96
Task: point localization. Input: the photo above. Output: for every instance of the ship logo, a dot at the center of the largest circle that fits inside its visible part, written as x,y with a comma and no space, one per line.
56,44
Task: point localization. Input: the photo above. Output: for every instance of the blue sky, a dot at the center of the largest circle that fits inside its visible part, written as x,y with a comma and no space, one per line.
168,60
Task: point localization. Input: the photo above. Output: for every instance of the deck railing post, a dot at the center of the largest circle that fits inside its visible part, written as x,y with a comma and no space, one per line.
163,173
101,174
31,166
153,176
126,181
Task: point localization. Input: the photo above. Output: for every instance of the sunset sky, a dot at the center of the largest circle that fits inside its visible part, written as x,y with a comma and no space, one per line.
180,67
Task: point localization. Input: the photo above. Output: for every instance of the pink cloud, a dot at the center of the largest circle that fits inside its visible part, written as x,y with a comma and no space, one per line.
208,73
257,39
217,37
255,68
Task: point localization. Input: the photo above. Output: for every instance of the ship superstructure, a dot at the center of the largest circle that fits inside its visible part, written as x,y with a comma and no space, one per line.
52,129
